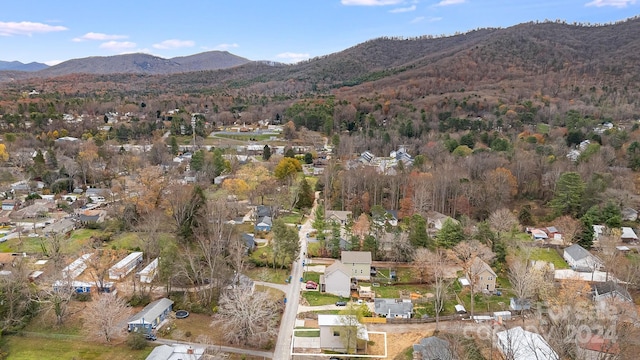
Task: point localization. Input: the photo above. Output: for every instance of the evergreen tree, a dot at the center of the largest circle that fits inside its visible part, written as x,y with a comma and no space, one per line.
335,240
289,153
451,234
524,215
308,158
569,194
305,196
174,145
197,161
266,153
418,231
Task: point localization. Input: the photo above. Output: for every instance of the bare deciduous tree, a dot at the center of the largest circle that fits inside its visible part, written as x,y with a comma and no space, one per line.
104,317
503,220
469,252
247,318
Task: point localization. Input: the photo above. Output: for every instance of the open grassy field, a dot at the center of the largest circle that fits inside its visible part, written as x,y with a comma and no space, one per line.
50,346
79,238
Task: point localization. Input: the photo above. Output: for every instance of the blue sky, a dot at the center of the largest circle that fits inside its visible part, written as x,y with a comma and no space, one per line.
288,31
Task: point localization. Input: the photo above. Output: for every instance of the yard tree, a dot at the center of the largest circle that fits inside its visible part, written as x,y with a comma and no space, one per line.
469,252
247,318
421,260
402,250
187,205
236,187
208,258
17,297
56,300
450,234
287,168
349,324
570,228
306,195
502,221
4,155
569,194
335,239
418,235
522,278
104,316
286,243
266,153
437,264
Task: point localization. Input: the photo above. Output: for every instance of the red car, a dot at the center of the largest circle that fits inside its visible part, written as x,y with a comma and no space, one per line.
312,285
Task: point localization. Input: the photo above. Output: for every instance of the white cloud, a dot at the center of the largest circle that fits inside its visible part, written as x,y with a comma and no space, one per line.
402,10
226,46
371,2
118,46
174,44
417,20
27,28
290,57
99,36
450,2
614,3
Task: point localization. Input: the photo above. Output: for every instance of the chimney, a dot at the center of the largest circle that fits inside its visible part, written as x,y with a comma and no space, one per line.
189,351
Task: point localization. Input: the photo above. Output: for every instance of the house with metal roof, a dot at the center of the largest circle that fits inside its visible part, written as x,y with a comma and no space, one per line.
580,259
393,308
519,344
151,316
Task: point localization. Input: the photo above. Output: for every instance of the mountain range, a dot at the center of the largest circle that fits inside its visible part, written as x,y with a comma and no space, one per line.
18,66
535,54
129,64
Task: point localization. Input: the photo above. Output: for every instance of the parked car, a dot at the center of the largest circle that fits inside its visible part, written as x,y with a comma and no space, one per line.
150,336
341,303
312,285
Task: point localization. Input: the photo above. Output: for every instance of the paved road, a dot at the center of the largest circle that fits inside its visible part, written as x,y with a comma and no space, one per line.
285,335
226,349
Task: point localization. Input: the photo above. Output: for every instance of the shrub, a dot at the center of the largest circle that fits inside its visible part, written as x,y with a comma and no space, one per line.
136,341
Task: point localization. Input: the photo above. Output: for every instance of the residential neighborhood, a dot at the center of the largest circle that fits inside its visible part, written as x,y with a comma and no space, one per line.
469,196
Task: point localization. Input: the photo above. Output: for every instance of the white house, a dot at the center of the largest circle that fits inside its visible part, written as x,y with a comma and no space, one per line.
336,280
580,259
149,272
519,344
77,267
125,266
332,328
628,235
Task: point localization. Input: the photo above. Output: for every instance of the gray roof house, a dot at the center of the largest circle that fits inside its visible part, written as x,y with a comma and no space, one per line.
432,348
336,280
175,352
151,316
393,308
580,259
519,344
610,290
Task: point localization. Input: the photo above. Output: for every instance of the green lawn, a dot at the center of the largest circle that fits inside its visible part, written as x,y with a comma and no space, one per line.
393,291
55,347
316,298
313,276
268,274
78,239
549,255
292,218
308,333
